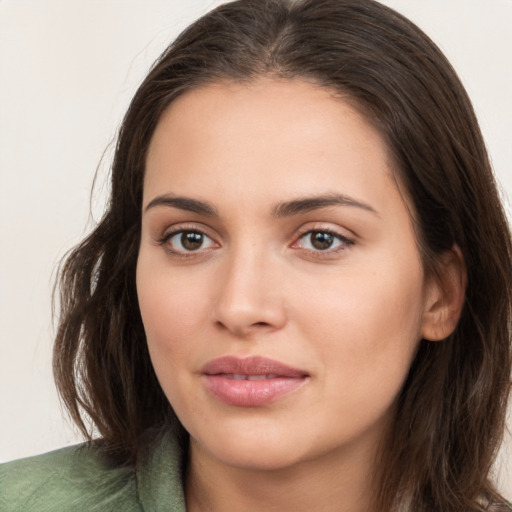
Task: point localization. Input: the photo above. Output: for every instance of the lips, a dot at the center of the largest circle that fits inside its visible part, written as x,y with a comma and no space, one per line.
252,381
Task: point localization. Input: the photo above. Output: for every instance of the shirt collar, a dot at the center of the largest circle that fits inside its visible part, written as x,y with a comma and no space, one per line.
159,476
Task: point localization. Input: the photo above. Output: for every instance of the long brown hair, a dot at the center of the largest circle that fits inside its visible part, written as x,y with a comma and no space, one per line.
450,413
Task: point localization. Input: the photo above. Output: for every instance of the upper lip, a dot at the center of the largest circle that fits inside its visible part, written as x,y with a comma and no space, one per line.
255,365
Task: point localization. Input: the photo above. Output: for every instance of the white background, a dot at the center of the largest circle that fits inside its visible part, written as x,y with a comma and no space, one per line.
68,69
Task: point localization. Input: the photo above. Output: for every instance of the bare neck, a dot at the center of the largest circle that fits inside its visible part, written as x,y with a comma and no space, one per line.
337,482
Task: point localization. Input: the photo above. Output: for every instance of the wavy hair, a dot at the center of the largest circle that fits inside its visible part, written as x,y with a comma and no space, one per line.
450,413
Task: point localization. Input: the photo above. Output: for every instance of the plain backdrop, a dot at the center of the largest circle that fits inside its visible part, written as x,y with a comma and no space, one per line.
68,69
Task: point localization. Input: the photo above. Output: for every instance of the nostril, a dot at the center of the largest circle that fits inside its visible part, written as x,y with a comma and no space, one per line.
244,317
240,329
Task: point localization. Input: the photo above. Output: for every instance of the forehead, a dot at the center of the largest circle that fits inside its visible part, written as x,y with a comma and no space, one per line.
266,108
265,139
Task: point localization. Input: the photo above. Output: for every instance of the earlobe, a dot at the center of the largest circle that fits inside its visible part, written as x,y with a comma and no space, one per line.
445,295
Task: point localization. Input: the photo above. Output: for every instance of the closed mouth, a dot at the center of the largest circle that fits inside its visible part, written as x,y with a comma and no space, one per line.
250,367
252,381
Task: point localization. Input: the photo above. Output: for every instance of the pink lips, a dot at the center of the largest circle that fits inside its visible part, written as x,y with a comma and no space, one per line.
252,381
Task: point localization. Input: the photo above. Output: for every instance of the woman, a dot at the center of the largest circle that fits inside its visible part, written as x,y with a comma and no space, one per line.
299,297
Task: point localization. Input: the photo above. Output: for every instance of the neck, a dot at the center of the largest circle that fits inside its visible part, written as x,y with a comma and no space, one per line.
340,482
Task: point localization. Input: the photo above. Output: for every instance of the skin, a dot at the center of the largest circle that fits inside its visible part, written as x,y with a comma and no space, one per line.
351,316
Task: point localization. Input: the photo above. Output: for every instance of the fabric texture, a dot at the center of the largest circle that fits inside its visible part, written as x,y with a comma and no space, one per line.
79,478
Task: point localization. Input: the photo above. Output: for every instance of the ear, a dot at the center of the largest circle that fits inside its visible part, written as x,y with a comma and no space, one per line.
446,290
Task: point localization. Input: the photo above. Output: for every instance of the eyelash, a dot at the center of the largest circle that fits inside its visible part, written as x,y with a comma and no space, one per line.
345,242
164,241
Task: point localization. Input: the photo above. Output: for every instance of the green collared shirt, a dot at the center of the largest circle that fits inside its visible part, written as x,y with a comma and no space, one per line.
79,478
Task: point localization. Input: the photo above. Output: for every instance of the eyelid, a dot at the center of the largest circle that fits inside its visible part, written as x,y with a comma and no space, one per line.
176,229
346,240
186,226
322,228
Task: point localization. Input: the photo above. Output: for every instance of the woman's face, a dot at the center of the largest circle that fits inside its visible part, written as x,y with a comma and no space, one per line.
279,281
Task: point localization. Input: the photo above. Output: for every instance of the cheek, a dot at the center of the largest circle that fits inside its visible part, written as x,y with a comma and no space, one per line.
368,327
173,308
366,344
169,302
174,312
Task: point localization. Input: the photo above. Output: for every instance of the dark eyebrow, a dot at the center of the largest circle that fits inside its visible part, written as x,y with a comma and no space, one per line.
184,203
285,209
307,204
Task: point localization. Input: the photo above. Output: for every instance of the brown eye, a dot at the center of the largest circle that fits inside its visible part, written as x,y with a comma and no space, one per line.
191,241
321,240
318,240
187,241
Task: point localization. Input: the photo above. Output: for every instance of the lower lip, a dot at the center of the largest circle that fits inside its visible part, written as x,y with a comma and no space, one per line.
251,393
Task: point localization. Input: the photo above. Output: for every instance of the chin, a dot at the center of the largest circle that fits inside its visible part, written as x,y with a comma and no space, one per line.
256,458
263,450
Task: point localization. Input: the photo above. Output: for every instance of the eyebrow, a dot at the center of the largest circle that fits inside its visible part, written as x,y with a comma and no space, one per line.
284,209
184,203
298,206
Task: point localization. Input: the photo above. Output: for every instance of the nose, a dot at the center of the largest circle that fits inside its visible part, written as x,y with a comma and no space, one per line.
250,298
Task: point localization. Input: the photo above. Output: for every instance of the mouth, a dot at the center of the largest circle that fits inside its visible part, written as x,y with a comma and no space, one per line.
239,376
251,382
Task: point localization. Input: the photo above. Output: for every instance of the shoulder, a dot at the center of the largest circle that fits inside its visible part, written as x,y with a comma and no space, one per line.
73,478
